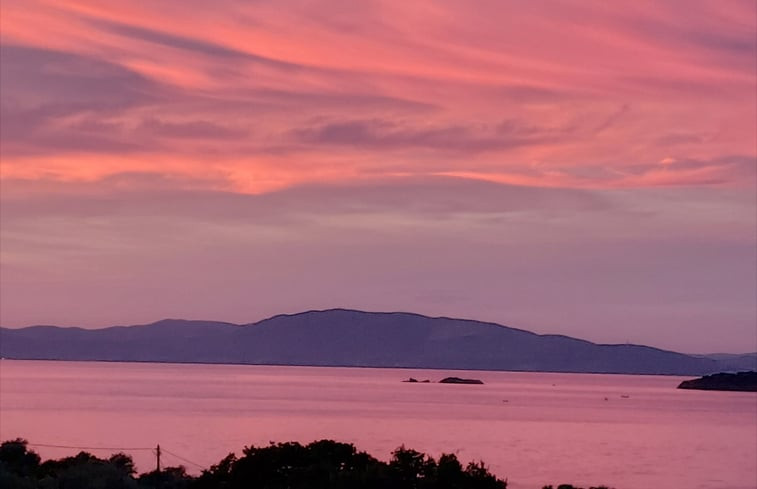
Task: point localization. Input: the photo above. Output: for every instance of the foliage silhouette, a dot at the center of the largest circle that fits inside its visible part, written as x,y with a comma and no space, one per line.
571,486
323,464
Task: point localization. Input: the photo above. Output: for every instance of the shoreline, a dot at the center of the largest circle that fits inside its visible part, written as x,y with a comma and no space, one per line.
158,362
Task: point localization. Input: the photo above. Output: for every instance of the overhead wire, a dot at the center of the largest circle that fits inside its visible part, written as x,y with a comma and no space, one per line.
46,445
163,449
183,459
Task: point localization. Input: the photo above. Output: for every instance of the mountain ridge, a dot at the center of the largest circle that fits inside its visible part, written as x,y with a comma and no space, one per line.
348,337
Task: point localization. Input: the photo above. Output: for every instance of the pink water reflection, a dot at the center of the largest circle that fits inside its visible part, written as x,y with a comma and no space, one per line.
532,428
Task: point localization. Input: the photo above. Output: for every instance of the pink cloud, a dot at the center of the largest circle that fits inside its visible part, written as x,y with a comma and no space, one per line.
419,89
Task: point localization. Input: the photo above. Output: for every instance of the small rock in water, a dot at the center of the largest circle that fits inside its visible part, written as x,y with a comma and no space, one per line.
458,380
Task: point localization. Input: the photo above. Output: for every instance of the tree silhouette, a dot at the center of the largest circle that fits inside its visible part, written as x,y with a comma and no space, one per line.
324,464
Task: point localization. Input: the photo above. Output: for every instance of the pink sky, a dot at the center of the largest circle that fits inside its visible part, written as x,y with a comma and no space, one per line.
584,168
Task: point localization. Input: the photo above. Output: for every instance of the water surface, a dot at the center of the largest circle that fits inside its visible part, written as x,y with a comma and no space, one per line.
630,432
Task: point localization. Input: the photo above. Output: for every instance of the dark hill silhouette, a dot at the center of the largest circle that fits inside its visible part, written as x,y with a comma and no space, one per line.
740,381
340,337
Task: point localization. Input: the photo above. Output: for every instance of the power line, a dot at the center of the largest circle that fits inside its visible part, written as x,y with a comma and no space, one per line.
48,445
184,459
45,445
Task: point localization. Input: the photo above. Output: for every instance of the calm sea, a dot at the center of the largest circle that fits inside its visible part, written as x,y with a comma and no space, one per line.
630,432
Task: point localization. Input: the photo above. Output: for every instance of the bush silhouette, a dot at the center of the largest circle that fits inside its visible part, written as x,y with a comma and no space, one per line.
324,464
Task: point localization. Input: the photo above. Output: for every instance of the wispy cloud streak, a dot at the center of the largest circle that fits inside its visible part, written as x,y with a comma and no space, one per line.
582,88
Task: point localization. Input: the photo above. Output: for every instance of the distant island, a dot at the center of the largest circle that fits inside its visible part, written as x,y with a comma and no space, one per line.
458,380
324,464
348,338
741,381
446,380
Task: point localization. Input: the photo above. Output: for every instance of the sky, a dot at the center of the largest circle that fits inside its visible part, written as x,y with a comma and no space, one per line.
585,168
